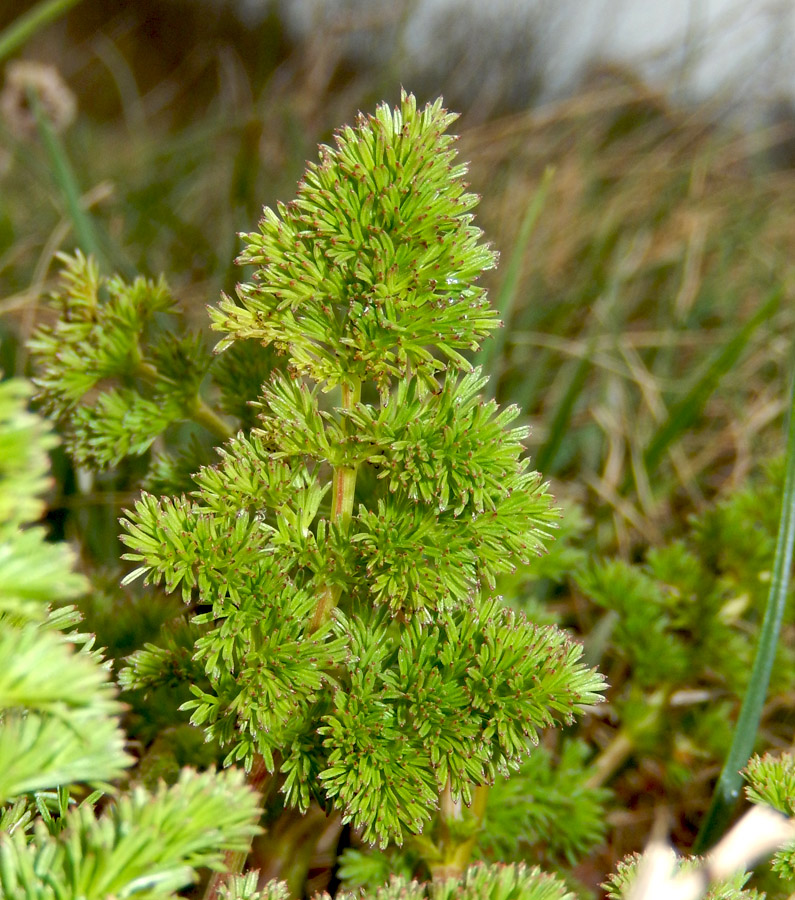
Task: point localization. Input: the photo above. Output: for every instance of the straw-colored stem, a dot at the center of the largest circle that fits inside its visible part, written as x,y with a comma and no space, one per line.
621,747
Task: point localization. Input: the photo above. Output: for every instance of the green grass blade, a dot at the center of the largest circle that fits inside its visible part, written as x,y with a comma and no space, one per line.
727,790
36,18
559,426
491,352
66,181
689,408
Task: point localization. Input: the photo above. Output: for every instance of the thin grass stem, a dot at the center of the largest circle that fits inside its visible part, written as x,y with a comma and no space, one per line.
545,458
727,790
25,26
690,407
492,351
66,180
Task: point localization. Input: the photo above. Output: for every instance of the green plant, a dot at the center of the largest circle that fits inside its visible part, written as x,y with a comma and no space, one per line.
341,560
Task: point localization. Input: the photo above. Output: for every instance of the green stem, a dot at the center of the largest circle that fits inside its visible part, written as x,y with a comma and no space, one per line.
200,412
258,779
209,419
146,370
727,790
26,25
455,852
343,488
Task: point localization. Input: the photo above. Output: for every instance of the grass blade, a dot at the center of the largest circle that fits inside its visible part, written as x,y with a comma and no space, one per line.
688,409
559,427
727,790
506,299
65,179
26,25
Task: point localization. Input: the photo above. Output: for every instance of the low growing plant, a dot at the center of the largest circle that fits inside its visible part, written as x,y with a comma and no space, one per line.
344,642
680,630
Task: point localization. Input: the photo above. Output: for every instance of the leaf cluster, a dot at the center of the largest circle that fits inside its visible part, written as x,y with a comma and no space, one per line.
547,811
771,782
97,367
59,726
479,882
146,844
684,621
448,704
371,269
413,704
58,713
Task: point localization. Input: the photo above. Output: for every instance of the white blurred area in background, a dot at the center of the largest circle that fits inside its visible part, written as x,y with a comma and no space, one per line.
738,55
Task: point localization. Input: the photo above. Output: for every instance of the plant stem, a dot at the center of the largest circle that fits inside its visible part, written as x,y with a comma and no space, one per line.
727,790
209,419
610,760
291,843
234,860
455,852
342,494
201,413
343,488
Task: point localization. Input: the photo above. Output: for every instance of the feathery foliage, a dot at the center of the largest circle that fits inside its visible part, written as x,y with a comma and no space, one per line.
147,844
413,682
478,883
684,624
771,782
342,555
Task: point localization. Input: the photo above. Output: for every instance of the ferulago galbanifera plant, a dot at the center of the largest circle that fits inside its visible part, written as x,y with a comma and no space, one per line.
340,555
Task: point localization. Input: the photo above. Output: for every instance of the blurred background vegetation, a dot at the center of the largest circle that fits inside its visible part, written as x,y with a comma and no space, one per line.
646,279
